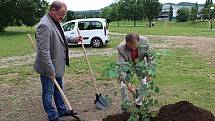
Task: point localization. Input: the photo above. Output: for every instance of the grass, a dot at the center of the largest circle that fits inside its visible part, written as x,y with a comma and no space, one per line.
173,28
14,41
181,76
17,74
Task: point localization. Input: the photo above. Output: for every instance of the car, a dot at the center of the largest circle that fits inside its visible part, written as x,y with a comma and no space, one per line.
94,31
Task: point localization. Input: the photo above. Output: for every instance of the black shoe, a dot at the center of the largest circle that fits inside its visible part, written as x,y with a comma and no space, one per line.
68,113
57,119
71,113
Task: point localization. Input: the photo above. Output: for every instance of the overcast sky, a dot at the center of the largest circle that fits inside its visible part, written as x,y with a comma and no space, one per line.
79,5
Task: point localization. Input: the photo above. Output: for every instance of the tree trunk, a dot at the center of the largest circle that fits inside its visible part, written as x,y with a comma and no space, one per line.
150,23
118,23
134,22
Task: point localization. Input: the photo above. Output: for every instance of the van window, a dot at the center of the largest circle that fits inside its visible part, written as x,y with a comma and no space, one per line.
84,25
69,26
96,25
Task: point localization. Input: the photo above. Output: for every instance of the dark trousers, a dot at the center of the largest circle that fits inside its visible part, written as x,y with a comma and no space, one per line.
49,90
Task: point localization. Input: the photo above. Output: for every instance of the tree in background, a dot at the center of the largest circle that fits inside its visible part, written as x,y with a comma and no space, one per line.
183,15
69,16
194,12
170,12
151,9
111,13
206,9
115,14
105,13
6,13
21,12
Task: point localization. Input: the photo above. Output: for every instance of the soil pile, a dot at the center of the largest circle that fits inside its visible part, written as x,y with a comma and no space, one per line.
184,111
180,111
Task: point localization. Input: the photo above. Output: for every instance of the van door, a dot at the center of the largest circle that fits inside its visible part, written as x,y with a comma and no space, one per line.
84,27
69,29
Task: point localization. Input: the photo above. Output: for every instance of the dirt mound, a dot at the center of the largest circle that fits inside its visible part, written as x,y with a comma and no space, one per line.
118,117
184,111
180,111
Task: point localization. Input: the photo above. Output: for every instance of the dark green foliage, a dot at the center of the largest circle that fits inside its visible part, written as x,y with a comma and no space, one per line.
183,15
21,12
69,16
6,13
132,10
170,12
151,9
194,12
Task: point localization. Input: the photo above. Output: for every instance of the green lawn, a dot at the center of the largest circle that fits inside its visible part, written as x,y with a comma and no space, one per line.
184,76
15,42
181,76
173,28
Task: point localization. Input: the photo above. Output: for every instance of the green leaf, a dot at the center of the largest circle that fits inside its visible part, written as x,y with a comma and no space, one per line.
132,118
151,102
157,90
146,119
126,104
144,115
153,114
112,74
108,99
155,102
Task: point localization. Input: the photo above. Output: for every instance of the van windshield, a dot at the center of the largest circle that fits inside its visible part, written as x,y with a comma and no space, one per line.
69,26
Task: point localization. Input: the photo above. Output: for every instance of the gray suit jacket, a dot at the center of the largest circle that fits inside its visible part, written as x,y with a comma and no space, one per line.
124,53
51,49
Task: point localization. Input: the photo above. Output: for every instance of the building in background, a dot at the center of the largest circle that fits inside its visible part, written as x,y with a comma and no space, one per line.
165,9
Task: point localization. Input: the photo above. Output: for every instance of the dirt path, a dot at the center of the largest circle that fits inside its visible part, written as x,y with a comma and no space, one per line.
23,102
200,45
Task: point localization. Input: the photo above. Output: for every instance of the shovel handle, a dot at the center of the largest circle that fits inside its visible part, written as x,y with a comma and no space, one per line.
32,42
88,63
62,93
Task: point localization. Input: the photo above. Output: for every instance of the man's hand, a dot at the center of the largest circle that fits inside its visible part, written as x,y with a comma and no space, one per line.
79,38
131,88
52,77
148,78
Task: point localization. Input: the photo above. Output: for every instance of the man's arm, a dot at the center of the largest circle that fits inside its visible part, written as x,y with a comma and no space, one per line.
120,58
122,75
43,49
145,41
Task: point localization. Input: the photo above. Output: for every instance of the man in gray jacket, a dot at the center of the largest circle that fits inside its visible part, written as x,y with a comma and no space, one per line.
129,51
52,56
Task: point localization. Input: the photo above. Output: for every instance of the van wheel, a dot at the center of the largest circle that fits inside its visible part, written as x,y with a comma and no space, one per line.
96,42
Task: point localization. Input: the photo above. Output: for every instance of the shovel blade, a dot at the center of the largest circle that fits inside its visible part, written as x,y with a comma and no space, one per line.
100,102
99,105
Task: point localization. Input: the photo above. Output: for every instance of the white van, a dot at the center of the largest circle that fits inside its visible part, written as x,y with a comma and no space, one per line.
93,30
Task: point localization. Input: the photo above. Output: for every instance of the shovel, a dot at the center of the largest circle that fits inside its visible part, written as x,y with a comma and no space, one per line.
72,113
100,101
